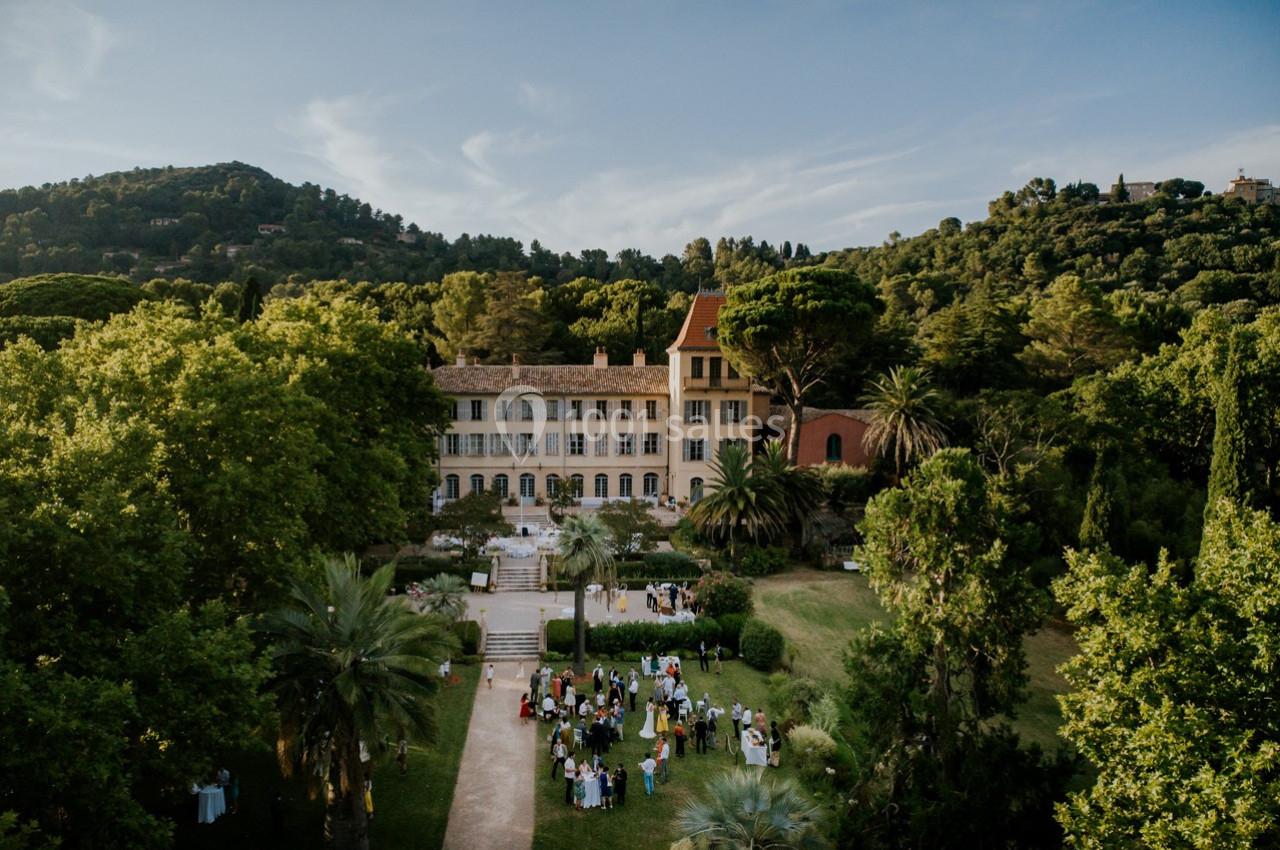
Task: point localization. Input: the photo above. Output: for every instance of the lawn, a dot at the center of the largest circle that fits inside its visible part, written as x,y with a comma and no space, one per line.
646,823
819,612
410,811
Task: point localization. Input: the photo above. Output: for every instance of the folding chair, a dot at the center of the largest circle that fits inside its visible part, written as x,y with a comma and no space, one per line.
577,739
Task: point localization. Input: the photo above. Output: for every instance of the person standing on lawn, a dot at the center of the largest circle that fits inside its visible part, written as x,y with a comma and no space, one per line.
559,752
620,785
570,775
679,732
633,687
535,680
700,735
719,659
702,656
663,757
648,766
775,744
597,678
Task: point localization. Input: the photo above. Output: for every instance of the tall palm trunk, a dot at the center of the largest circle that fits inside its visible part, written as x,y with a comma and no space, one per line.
579,625
347,823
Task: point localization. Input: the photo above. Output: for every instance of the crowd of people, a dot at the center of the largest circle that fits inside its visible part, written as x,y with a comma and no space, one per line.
586,725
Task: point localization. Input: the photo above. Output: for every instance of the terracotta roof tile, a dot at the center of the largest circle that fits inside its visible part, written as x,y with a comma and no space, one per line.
812,413
611,380
701,319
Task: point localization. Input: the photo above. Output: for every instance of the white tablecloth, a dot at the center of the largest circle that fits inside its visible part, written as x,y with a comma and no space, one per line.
211,803
592,791
678,617
754,755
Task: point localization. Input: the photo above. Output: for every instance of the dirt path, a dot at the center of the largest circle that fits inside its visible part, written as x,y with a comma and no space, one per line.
493,802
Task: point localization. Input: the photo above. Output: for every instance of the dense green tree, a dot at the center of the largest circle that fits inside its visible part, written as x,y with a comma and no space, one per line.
785,331
473,519
459,313
1173,693
353,667
1119,191
632,528
929,685
1071,331
1232,473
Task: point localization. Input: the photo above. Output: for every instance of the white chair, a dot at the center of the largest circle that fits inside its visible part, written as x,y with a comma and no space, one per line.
577,738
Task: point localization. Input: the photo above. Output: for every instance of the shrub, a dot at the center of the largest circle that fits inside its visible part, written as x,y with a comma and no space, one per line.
721,593
671,565
791,697
825,714
761,645
812,749
560,636
618,639
843,486
731,630
468,632
555,657
763,560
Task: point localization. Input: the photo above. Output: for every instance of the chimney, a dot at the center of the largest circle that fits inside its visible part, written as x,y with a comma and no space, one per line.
637,359
461,359
601,359
515,366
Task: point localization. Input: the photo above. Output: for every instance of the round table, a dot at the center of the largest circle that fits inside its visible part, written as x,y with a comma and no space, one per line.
211,803
754,755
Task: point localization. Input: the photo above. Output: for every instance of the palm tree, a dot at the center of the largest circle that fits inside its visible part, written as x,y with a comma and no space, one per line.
903,421
446,595
739,504
796,489
352,666
744,811
584,558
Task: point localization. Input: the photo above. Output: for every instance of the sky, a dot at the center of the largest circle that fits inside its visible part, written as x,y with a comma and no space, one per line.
647,124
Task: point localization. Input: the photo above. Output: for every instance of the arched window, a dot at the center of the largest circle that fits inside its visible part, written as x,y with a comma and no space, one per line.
575,486
451,486
651,485
477,484
624,485
500,485
602,486
835,449
695,489
526,485
553,484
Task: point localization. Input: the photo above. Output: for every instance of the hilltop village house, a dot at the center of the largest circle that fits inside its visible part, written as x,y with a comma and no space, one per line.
615,431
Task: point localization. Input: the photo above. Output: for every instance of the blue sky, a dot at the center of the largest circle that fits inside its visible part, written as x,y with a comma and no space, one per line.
618,125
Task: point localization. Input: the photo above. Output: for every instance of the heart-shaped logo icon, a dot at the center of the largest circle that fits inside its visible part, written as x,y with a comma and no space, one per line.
520,415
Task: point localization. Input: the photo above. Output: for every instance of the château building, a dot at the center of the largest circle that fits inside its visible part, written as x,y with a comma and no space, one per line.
605,431
1253,190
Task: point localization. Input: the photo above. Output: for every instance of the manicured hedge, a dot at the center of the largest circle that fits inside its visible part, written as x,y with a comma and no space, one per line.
620,639
672,565
423,567
762,645
731,630
763,560
560,636
468,632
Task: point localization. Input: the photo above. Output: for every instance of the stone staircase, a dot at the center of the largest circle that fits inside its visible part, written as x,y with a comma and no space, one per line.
511,646
518,575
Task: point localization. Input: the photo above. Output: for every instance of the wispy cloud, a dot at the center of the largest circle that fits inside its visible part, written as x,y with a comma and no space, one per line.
490,182
331,127
59,46
542,99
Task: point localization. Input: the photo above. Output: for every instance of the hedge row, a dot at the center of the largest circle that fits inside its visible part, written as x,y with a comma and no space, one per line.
614,640
423,567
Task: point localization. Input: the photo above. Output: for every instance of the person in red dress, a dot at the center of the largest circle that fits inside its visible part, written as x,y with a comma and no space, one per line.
526,710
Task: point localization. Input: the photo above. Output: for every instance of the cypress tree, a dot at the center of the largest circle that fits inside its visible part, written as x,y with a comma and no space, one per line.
1229,475
1119,192
1095,525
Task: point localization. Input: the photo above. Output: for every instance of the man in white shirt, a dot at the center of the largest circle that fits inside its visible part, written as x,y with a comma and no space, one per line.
648,766
584,708
570,771
633,688
559,753
548,707
735,714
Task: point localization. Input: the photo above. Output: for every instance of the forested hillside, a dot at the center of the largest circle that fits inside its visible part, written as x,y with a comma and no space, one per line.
232,221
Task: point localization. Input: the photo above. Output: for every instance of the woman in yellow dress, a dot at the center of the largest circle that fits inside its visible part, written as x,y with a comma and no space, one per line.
662,726
622,602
